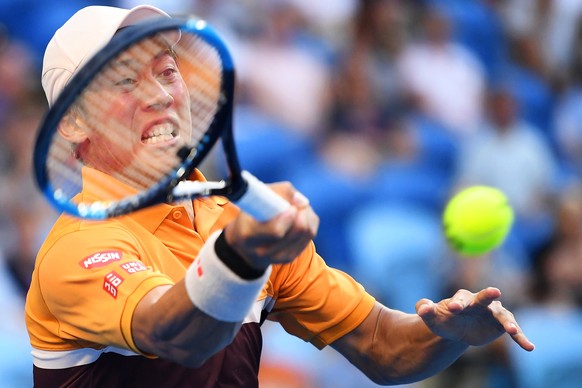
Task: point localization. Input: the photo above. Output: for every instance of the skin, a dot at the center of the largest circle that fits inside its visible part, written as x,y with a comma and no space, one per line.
144,96
388,346
392,347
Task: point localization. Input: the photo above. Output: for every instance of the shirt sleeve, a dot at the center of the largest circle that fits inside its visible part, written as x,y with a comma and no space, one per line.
91,286
315,302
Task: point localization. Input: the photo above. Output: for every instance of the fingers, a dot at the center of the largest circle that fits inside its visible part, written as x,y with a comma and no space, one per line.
426,309
279,226
304,222
518,336
289,193
510,326
299,200
281,239
475,318
487,296
299,233
299,221
463,299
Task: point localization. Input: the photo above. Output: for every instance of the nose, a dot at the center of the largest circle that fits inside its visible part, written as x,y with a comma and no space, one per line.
156,97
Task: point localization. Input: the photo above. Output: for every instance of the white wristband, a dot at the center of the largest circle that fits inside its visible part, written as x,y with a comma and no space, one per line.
216,290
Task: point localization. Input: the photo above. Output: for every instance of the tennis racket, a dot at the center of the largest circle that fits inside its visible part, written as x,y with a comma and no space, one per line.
132,125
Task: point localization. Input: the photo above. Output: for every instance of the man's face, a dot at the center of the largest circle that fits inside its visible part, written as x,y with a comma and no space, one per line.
137,115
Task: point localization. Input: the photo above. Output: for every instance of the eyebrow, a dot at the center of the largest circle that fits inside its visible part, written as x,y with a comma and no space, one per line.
131,59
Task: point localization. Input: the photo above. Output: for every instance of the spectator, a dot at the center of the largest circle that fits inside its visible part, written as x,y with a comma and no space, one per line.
444,79
568,115
511,155
556,297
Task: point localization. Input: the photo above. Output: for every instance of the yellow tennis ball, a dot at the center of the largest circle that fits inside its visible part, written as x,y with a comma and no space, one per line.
477,220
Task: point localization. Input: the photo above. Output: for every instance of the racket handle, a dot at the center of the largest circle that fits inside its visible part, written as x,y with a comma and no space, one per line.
260,201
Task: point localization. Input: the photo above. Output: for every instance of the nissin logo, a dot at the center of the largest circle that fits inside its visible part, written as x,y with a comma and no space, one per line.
100,259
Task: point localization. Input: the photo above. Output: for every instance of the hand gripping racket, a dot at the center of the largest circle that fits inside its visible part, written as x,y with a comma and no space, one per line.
132,125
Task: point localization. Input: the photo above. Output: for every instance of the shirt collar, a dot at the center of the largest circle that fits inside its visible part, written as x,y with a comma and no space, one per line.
206,210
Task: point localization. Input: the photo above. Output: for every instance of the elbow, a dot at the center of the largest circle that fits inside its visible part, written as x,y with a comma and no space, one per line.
198,357
192,361
383,377
181,333
391,371
196,352
387,375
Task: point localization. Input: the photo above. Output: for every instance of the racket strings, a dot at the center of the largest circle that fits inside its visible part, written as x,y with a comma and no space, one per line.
201,69
95,135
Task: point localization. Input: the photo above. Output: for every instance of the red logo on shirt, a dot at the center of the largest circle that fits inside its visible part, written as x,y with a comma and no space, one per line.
111,282
133,267
100,259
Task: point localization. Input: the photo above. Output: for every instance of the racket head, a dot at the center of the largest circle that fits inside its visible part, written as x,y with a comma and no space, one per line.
92,139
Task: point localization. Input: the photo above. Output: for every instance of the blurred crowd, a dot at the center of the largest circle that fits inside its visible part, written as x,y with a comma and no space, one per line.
378,111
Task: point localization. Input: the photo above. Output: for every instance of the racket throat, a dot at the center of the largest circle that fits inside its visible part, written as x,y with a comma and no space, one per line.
192,189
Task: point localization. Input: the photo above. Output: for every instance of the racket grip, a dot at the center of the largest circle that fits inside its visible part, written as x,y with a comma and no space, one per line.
259,201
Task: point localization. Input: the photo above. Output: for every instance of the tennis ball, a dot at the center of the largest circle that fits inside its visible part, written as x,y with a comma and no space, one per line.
477,220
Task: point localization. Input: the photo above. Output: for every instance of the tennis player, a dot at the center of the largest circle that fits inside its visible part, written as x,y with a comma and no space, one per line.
174,295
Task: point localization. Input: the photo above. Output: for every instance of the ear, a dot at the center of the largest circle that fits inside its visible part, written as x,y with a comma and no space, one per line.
73,127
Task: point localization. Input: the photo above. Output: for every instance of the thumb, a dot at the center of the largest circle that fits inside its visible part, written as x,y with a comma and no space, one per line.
299,200
290,194
426,309
284,221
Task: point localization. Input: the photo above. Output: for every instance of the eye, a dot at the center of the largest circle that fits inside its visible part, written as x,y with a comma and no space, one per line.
166,68
126,84
169,73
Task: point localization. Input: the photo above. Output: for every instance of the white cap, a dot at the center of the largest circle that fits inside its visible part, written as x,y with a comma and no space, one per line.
81,37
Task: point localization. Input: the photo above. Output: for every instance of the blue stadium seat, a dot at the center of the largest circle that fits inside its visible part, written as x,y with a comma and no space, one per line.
557,360
399,253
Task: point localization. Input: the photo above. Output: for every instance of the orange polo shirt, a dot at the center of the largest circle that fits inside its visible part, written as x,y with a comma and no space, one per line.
90,276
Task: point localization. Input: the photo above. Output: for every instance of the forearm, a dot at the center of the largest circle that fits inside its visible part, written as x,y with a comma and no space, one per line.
200,315
392,347
171,327
197,317
405,350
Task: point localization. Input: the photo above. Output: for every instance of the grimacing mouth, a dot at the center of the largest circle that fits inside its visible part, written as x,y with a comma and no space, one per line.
161,132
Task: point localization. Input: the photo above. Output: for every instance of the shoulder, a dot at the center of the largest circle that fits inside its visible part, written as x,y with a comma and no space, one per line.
309,278
74,239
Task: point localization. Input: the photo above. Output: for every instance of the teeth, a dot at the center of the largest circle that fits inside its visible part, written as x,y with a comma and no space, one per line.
158,139
159,133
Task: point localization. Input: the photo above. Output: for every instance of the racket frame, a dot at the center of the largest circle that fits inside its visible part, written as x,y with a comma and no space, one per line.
221,128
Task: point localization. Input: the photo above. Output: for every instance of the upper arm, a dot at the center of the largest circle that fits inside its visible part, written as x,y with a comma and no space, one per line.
88,283
143,321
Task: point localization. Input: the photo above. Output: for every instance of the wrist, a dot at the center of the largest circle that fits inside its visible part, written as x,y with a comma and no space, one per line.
216,290
234,261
